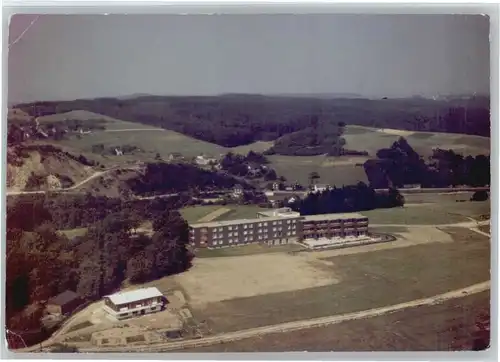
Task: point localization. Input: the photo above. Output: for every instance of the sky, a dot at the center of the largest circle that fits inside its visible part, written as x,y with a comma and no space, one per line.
85,56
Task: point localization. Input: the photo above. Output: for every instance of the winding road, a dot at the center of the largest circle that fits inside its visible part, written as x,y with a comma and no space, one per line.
77,185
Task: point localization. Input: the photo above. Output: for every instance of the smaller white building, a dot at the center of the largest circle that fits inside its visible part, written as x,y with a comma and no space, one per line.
134,302
320,188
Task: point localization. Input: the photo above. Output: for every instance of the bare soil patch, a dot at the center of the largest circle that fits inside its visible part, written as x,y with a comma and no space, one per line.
213,280
366,280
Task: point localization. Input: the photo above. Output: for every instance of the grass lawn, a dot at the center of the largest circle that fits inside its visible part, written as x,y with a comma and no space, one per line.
71,233
193,213
295,168
428,215
241,212
250,249
368,280
426,328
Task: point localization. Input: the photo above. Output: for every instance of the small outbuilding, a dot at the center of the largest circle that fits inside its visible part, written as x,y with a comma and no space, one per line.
64,303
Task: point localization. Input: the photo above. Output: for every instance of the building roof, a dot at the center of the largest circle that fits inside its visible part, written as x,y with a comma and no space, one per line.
64,298
334,216
134,295
281,213
237,222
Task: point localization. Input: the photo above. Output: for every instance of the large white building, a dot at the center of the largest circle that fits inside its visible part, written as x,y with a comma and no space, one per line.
134,302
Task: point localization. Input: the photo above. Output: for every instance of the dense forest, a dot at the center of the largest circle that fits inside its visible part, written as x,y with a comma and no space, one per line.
400,165
352,198
163,178
234,120
41,262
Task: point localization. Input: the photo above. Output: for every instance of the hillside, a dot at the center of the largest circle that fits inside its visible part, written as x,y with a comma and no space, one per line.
236,120
146,143
44,167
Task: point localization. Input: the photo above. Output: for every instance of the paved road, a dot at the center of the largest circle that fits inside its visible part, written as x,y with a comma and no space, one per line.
296,325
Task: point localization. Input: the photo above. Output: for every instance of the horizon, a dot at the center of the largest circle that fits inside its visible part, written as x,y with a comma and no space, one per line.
293,95
375,56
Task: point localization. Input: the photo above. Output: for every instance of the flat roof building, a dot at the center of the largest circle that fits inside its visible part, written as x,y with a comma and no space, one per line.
134,302
278,226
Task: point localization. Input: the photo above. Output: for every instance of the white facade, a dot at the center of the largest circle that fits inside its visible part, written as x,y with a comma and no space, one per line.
134,303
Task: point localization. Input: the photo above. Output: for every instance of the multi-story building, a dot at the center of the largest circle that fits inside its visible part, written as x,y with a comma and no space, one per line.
272,228
331,226
279,226
134,302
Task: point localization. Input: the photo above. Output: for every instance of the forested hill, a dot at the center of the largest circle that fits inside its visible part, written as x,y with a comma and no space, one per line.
232,120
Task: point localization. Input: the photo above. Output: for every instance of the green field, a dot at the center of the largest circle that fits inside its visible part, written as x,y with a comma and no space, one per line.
298,168
71,233
250,249
194,213
371,140
430,214
426,328
241,212
368,280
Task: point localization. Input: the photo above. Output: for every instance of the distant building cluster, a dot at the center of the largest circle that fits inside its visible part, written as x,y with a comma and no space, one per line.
279,226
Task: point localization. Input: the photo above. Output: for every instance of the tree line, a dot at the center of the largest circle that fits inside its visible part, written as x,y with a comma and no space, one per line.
42,262
401,165
163,178
353,198
232,120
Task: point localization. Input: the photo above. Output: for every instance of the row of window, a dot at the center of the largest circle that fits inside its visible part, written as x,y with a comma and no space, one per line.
251,238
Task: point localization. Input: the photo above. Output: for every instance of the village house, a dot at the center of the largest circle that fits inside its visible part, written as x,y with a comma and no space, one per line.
63,303
238,191
134,302
320,188
175,156
204,161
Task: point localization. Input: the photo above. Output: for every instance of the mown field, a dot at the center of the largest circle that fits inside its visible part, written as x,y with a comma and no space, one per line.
151,141
193,214
367,280
429,214
443,327
371,140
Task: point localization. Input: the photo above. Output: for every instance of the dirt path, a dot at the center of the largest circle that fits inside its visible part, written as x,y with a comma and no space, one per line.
297,325
75,186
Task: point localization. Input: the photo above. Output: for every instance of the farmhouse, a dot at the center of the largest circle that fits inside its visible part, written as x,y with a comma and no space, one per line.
64,303
320,188
134,303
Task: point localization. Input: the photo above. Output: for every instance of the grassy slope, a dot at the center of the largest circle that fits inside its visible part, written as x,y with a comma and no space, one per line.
368,281
165,142
425,328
